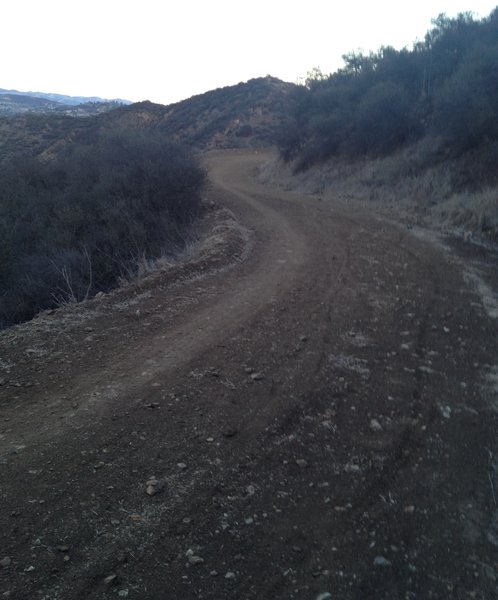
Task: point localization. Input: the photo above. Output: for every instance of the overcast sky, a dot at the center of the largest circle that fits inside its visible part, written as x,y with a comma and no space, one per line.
165,51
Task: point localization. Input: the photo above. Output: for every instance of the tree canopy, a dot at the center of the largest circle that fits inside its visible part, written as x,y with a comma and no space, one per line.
446,86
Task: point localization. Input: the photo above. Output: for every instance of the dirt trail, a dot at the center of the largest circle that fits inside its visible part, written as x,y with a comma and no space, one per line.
312,414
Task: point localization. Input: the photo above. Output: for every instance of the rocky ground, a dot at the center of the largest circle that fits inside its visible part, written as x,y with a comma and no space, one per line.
307,409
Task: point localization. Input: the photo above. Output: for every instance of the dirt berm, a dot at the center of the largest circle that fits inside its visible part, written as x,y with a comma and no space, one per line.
307,409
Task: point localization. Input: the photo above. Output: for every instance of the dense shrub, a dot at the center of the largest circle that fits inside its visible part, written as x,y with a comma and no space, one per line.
446,86
73,223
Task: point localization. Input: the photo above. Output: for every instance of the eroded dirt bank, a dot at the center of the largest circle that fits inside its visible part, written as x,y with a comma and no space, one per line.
316,421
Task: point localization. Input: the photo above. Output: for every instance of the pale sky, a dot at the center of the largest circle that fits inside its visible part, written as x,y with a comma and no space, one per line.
165,51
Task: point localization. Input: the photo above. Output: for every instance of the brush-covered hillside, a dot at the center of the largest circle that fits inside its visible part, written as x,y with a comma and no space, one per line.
419,124
249,114
85,201
83,204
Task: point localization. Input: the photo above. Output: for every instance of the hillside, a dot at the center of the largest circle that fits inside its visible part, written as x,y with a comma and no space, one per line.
87,203
416,129
249,114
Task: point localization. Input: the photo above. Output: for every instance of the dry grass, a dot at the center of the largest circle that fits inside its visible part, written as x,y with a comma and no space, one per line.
414,185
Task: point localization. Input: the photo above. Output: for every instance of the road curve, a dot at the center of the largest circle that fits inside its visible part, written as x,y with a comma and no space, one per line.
312,419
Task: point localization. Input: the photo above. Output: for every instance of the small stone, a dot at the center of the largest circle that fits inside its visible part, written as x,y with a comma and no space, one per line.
230,575
5,562
251,490
300,462
380,561
445,411
111,579
195,560
123,593
257,376
375,425
66,558
213,573
29,569
182,466
210,440
153,486
62,548
249,521
324,596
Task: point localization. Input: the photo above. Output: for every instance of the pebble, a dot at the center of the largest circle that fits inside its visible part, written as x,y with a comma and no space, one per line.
230,575
182,466
193,559
153,486
300,462
445,411
6,561
324,596
111,579
123,593
380,561
257,376
375,425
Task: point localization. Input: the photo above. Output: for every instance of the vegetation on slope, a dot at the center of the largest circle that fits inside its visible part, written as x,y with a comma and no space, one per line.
80,215
83,201
446,87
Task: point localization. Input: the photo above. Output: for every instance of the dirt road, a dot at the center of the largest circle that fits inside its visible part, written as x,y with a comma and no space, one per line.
305,411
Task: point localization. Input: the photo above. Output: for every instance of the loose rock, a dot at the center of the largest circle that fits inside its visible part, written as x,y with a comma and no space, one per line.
6,561
153,486
257,376
375,425
380,561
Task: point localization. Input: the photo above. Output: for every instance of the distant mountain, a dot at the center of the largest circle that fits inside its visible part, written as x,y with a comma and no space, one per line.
13,102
